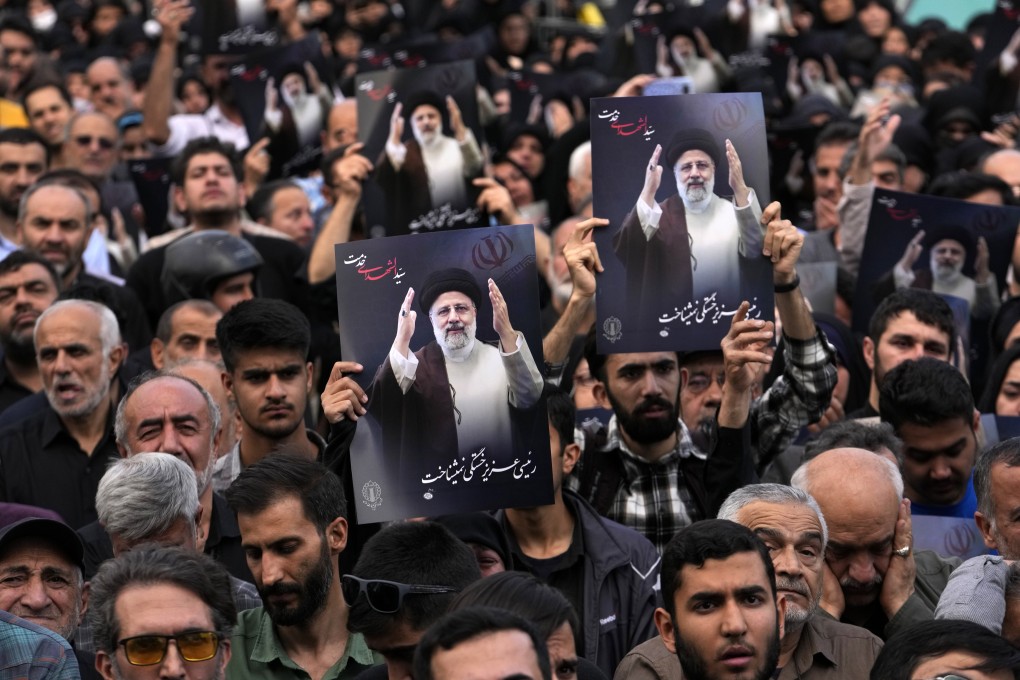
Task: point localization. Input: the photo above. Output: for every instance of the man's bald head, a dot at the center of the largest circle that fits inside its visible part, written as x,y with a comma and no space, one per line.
1004,164
341,126
849,472
859,493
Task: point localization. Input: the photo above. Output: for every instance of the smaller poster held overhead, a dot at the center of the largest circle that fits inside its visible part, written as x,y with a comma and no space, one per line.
682,180
446,328
420,128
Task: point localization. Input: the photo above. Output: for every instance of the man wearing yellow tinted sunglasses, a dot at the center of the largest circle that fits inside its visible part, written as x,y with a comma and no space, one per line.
162,612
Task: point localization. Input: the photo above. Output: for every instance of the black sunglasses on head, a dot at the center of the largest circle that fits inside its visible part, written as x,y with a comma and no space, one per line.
385,597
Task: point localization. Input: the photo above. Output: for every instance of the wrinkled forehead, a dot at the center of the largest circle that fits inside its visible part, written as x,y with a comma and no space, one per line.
693,156
451,298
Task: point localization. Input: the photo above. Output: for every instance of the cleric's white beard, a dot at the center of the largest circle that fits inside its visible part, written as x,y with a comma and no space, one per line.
697,198
947,274
459,345
425,139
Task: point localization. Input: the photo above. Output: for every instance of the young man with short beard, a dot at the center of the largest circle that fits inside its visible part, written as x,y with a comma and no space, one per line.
28,286
721,617
292,516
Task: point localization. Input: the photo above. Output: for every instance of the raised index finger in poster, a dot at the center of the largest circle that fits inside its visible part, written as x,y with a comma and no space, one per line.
446,326
682,180
420,128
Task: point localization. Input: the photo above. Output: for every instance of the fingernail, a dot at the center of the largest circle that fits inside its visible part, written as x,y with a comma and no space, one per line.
759,323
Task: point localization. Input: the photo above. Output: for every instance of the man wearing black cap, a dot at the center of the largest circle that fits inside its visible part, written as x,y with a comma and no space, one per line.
432,169
689,246
949,246
455,394
41,580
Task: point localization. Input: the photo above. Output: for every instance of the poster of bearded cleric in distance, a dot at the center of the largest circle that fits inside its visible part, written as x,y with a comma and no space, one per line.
683,181
420,129
950,246
446,326
283,97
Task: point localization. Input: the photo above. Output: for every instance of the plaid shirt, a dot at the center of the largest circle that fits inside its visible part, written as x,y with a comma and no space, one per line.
29,651
798,397
654,498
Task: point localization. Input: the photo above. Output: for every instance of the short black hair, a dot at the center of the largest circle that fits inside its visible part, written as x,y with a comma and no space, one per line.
962,185
909,648
37,84
416,553
259,324
925,392
954,47
710,539
838,132
562,415
19,258
1006,452
165,325
467,624
928,307
187,569
526,595
853,434
287,474
18,24
179,167
25,137
261,204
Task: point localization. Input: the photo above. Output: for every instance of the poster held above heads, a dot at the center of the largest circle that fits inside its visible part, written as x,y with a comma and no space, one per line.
455,420
683,181
950,246
420,128
284,97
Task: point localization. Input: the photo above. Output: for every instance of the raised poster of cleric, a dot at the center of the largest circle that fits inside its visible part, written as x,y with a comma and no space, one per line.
446,327
953,247
682,180
284,101
420,128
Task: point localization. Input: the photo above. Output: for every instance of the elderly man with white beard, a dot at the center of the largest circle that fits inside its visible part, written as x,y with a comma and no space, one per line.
689,246
949,247
456,394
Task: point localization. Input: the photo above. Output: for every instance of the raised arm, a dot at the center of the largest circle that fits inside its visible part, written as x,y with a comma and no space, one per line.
157,102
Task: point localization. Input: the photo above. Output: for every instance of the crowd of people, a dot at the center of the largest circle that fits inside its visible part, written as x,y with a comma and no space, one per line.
178,419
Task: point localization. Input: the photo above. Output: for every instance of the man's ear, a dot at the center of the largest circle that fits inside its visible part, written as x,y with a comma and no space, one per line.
984,525
104,664
178,198
571,454
664,623
85,591
336,535
685,376
156,350
228,384
868,346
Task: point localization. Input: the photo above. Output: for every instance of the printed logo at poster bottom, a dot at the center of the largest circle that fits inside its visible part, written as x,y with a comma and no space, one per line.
612,329
371,492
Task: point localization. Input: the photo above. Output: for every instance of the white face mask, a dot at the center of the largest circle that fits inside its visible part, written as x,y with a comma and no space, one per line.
44,20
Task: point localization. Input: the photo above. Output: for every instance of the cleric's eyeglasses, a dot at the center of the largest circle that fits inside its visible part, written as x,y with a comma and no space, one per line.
385,597
147,650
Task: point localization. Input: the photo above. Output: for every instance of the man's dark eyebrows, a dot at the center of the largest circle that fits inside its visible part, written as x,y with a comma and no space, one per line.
955,446
518,676
15,569
709,596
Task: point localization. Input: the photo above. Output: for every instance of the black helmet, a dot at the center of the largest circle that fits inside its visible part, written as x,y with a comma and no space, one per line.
195,263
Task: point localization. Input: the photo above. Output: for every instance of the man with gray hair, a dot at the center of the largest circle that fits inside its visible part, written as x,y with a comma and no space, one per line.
790,524
884,585
975,591
55,457
145,598
169,413
153,498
